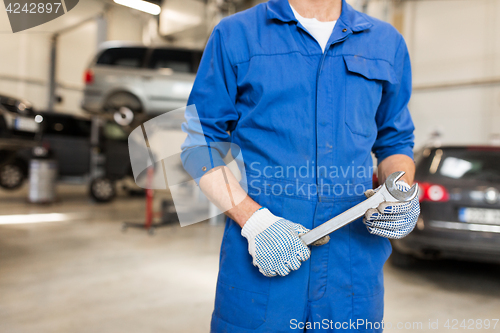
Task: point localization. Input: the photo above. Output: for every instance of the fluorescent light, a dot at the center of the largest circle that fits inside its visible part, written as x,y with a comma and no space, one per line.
141,5
33,218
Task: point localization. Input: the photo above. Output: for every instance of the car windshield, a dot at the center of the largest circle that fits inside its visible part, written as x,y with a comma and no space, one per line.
464,164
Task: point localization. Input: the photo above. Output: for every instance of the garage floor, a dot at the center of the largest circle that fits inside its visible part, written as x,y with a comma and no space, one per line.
83,274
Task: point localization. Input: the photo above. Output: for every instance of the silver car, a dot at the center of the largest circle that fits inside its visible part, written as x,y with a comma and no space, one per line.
132,81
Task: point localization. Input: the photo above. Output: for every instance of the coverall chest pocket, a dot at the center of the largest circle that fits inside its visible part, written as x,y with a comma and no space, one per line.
363,92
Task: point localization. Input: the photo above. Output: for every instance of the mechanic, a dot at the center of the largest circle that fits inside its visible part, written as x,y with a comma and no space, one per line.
300,85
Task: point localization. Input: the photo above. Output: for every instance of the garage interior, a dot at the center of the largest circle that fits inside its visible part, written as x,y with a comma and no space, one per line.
68,264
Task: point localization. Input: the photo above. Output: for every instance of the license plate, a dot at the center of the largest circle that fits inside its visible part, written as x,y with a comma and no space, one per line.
479,215
25,125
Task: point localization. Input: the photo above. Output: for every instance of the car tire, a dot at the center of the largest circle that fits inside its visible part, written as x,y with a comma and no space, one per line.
401,260
102,189
12,176
124,107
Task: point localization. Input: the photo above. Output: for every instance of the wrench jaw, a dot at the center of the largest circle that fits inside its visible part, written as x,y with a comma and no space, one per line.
393,190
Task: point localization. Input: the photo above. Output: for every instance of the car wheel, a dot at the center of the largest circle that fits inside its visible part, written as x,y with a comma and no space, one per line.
124,108
11,176
401,260
102,189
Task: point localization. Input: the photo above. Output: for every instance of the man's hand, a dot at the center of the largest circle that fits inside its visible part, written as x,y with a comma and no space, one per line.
392,219
274,243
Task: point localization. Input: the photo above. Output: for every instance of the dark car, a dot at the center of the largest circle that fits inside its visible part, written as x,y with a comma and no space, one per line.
68,137
460,206
17,131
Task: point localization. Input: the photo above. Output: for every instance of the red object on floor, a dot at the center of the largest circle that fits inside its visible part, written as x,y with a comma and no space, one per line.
149,198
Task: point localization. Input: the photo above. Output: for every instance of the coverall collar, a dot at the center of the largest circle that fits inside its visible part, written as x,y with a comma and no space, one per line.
355,21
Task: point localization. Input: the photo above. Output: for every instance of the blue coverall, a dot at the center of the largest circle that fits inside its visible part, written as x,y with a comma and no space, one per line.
265,85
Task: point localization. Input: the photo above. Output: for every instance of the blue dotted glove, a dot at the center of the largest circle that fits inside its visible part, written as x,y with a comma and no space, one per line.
392,219
274,243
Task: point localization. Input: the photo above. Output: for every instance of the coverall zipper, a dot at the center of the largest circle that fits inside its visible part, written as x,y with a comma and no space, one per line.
320,67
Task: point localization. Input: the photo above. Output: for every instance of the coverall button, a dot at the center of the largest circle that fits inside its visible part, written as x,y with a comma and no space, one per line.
204,168
345,30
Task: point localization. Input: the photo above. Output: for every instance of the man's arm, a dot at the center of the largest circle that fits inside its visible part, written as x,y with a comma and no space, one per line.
224,191
395,163
394,144
394,151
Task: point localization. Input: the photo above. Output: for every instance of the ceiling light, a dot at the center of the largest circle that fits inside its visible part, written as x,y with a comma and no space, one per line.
141,5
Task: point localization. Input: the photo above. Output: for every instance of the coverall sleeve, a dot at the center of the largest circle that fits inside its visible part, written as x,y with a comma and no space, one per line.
394,123
207,124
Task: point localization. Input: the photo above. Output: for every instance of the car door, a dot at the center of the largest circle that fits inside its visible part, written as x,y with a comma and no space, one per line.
69,139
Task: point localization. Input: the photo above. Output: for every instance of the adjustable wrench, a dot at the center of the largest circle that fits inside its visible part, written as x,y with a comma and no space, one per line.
387,193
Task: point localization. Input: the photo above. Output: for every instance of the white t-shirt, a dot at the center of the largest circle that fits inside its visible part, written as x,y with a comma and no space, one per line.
321,31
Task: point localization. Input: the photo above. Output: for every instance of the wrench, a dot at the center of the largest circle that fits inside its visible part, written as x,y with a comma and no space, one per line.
387,193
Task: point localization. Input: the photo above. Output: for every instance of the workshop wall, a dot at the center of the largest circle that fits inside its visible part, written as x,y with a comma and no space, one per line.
456,42
24,65
455,52
24,69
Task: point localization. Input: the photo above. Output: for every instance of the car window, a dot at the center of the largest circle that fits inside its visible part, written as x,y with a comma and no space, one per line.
177,60
123,57
467,163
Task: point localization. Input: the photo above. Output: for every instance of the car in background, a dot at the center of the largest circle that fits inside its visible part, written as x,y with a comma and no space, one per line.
128,81
17,123
460,206
17,118
68,137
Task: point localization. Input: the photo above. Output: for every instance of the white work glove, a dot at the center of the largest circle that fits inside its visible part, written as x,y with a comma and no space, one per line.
274,243
392,219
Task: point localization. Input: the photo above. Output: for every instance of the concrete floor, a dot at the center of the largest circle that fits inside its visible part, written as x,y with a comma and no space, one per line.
85,275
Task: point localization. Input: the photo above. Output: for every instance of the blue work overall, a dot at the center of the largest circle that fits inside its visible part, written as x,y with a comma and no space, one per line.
307,123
